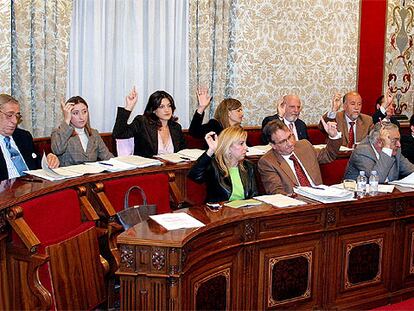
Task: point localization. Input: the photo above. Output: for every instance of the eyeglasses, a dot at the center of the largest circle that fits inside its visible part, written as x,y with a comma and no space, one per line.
11,115
285,141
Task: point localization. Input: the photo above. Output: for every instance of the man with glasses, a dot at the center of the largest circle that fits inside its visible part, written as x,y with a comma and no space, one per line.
293,163
381,152
17,152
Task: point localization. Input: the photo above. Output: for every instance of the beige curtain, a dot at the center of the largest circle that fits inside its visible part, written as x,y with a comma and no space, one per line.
39,39
210,37
5,47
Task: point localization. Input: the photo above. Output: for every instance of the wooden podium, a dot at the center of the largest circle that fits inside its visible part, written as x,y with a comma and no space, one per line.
350,255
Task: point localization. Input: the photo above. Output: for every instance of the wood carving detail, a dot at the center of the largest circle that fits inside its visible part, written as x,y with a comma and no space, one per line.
400,208
158,258
249,231
213,291
127,256
331,216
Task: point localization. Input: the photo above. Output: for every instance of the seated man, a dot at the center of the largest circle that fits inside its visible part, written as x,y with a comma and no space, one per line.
353,124
294,163
288,111
407,142
385,110
380,152
17,152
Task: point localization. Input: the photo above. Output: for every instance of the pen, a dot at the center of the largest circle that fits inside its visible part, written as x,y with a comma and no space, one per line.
185,158
107,164
319,188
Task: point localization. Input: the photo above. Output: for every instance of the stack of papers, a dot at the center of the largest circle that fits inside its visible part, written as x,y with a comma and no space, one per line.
173,221
242,203
182,155
405,182
325,194
342,148
280,200
258,150
137,161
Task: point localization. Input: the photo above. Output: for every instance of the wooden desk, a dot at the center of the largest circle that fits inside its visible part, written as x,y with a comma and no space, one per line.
352,255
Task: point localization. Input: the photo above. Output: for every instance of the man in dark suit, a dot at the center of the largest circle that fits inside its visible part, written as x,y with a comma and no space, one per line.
16,143
288,111
407,142
385,110
293,163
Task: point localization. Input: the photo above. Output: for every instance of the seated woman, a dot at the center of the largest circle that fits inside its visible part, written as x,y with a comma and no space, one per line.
228,113
74,141
155,132
223,168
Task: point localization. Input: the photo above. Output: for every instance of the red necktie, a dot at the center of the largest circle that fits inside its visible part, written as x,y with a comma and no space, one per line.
291,127
351,140
300,173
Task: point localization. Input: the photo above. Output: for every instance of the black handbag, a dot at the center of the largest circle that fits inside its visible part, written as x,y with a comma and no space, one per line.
132,215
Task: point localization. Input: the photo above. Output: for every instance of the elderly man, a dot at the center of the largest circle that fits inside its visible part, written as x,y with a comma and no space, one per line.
293,163
353,124
288,111
380,152
16,145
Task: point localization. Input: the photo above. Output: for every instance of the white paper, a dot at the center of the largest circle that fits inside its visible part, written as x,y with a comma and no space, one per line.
325,194
173,221
381,187
342,148
405,182
113,165
138,161
258,150
192,154
280,200
172,157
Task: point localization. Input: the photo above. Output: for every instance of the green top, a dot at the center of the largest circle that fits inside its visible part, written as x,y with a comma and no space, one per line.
236,184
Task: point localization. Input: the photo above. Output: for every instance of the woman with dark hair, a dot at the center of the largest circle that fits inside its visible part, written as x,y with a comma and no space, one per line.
228,113
74,141
155,132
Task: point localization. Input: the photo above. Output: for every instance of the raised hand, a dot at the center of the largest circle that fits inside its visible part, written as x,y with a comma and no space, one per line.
336,102
67,111
203,99
211,139
281,106
131,99
330,128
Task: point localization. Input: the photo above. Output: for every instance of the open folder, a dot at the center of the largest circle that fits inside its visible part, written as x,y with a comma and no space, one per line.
325,194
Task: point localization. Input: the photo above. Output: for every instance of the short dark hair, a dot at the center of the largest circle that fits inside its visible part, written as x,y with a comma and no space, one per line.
154,102
379,100
412,120
272,127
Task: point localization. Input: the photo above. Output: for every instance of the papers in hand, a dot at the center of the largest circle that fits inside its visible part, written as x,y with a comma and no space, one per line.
173,221
258,150
280,200
242,203
405,182
325,194
182,155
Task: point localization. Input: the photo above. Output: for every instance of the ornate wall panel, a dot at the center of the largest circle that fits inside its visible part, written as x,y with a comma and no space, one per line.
5,47
398,54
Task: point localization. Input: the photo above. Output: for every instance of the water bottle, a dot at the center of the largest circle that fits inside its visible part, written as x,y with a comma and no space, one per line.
373,183
361,184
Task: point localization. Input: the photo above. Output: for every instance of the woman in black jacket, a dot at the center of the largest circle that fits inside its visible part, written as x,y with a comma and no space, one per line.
228,113
155,132
223,167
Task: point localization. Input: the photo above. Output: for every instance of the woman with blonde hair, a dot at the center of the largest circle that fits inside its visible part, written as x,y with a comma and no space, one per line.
223,167
228,113
74,141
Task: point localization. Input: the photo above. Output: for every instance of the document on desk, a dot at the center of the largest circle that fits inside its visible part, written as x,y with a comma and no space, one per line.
342,148
243,203
381,187
112,165
405,182
258,150
173,221
192,154
280,200
138,161
325,194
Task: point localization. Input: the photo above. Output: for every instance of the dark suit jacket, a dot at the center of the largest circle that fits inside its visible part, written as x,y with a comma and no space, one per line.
198,130
299,124
379,116
145,133
407,147
24,142
276,174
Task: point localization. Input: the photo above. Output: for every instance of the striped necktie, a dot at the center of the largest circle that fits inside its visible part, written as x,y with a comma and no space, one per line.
15,156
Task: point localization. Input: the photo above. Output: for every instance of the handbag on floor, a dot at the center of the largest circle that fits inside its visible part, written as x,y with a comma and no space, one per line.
132,215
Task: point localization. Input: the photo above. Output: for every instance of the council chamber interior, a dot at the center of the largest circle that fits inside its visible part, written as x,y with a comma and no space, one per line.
62,245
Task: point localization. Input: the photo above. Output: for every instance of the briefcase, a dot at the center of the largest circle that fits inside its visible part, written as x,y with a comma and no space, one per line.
132,215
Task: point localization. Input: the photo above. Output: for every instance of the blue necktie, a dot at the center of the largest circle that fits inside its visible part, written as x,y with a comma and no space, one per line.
16,157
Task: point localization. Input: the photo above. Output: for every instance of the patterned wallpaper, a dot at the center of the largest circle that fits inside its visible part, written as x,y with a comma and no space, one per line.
398,54
278,47
5,47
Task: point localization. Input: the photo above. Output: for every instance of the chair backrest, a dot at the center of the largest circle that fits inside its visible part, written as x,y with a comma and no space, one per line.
155,186
125,147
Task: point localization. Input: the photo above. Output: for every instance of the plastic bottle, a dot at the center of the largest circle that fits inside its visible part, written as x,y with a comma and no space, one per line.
361,184
373,183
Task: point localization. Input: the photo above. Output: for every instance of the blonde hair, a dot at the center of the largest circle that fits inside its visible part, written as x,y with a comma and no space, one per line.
229,136
222,111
